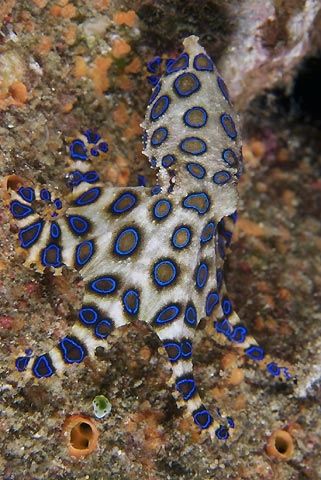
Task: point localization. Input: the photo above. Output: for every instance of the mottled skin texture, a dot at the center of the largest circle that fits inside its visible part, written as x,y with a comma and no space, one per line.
154,255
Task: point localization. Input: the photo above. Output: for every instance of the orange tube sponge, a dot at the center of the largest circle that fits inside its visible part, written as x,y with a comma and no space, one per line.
81,434
280,445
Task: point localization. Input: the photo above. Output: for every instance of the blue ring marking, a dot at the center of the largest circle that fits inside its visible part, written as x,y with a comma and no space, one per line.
153,80
184,146
224,327
186,349
103,290
180,63
222,433
239,334
208,66
227,306
186,387
230,422
106,325
92,137
222,86
45,195
234,216
75,178
230,157
219,278
51,249
201,275
42,367
153,64
81,261
173,350
28,352
208,232
20,210
22,363
55,230
32,232
222,177
168,160
103,147
72,351
191,77
162,132
227,236
273,369
27,194
228,125
159,107
190,316
91,177
212,300
88,315
167,314
129,306
188,202
156,190
168,281
288,375
202,418
196,170
153,164
162,209
77,150
58,203
88,197
178,230
141,179
169,61
134,235
79,225
130,201
190,122
255,353
94,152
155,92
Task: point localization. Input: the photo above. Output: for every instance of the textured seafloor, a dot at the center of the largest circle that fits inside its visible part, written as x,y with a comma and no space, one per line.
67,66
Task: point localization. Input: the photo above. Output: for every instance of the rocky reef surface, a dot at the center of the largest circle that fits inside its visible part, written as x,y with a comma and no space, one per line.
66,66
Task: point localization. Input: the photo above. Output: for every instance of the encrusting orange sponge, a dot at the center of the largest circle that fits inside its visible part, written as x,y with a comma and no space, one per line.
81,434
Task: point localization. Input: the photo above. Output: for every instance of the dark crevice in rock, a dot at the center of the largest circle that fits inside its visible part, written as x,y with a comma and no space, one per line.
164,24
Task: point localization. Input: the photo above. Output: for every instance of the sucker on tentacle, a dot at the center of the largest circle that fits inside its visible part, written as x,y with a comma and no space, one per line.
152,254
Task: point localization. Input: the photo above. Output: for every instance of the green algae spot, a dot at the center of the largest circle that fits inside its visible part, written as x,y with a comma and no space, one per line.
102,406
